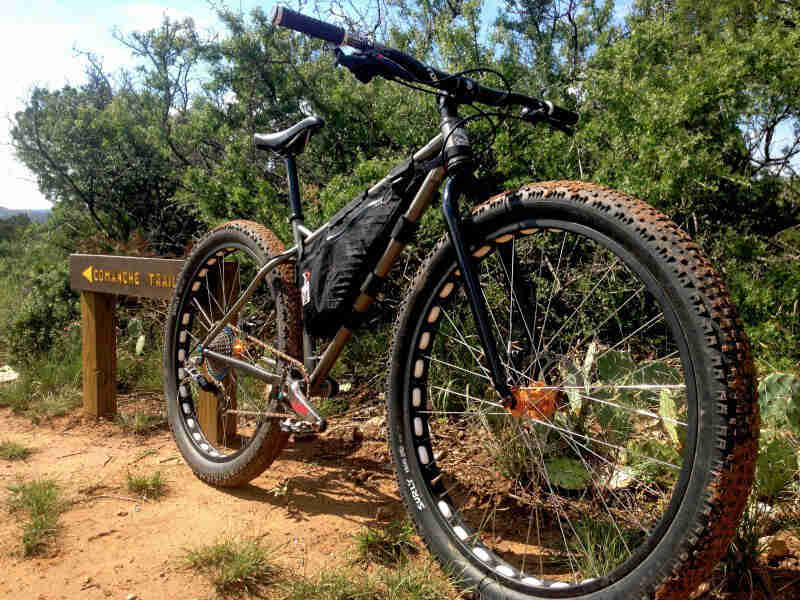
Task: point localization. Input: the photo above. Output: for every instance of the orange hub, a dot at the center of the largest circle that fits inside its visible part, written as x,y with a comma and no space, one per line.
535,403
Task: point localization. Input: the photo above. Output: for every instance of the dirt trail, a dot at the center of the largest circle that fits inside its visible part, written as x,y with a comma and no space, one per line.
308,504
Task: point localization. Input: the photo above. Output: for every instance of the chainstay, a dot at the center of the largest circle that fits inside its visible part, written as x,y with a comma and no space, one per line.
278,353
268,415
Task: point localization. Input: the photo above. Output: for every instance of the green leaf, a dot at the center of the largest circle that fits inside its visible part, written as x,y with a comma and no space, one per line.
614,366
640,451
588,361
567,473
776,467
572,379
779,399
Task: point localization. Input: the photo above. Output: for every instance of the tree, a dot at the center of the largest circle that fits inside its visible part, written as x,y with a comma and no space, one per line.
98,154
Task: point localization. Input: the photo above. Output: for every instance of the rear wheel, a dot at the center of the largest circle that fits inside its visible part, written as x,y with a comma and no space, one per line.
624,468
220,416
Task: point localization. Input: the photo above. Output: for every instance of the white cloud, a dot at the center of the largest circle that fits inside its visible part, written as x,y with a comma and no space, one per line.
37,53
44,57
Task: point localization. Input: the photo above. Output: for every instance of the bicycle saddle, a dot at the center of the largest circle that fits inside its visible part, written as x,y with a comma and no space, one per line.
292,140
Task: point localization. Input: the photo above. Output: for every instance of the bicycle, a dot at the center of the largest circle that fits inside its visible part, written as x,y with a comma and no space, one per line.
571,407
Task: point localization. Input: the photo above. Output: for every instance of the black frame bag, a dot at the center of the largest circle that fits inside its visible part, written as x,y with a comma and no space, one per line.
340,258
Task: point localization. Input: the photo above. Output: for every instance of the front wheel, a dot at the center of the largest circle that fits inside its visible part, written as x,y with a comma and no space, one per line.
624,467
219,416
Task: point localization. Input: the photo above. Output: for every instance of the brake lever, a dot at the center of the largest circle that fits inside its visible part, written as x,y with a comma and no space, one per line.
357,64
369,64
539,115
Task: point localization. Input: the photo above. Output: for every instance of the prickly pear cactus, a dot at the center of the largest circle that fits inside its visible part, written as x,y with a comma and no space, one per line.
567,473
776,467
779,397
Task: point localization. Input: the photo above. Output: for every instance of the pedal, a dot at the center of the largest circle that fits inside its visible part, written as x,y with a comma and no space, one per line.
200,380
297,427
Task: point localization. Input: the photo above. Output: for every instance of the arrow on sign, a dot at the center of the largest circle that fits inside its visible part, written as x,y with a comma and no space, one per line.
88,273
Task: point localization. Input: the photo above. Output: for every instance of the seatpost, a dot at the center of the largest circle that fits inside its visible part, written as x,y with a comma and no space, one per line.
296,216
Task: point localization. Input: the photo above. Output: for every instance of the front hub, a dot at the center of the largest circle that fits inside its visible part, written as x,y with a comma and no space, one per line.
537,401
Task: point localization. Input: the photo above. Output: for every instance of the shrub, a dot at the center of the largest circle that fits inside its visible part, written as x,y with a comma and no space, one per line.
41,501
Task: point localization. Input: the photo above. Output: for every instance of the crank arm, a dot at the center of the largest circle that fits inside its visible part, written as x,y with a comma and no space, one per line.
240,365
452,217
301,405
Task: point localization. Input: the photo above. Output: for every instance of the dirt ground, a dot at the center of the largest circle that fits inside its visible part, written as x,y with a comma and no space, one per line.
308,505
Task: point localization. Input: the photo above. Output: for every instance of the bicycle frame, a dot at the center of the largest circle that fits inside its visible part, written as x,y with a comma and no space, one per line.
452,143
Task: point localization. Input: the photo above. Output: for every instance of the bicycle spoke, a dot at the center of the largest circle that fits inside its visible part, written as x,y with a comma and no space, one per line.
436,360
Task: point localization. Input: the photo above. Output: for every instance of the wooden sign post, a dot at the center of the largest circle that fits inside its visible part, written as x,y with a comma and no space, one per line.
220,430
99,279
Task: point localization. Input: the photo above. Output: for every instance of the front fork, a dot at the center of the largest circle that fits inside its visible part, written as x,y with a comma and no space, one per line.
452,217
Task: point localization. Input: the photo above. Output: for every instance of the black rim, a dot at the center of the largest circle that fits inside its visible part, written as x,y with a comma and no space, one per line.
202,303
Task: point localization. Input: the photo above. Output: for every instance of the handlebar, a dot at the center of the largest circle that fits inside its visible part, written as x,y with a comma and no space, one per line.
375,59
291,19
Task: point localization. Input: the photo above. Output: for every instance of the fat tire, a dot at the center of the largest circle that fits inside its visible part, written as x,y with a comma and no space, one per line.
728,425
269,440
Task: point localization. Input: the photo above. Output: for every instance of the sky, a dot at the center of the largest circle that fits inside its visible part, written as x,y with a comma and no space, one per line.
38,43
38,39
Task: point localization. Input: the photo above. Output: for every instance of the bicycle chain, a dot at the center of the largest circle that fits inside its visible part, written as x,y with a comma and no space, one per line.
277,352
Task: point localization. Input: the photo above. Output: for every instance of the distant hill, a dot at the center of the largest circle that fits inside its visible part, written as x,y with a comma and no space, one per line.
40,216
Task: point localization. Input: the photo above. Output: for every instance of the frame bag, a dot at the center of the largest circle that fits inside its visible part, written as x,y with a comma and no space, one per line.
335,264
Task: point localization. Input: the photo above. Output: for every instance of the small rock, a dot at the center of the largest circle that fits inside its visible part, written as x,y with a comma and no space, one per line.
8,374
130,597
122,513
781,545
621,478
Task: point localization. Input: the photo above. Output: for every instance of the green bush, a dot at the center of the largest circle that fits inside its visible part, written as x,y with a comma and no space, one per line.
49,383
764,278
36,302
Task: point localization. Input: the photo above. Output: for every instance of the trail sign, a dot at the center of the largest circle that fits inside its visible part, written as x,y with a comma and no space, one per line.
99,278
124,275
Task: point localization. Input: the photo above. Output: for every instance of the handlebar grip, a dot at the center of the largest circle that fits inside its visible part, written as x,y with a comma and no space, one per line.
562,115
285,17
